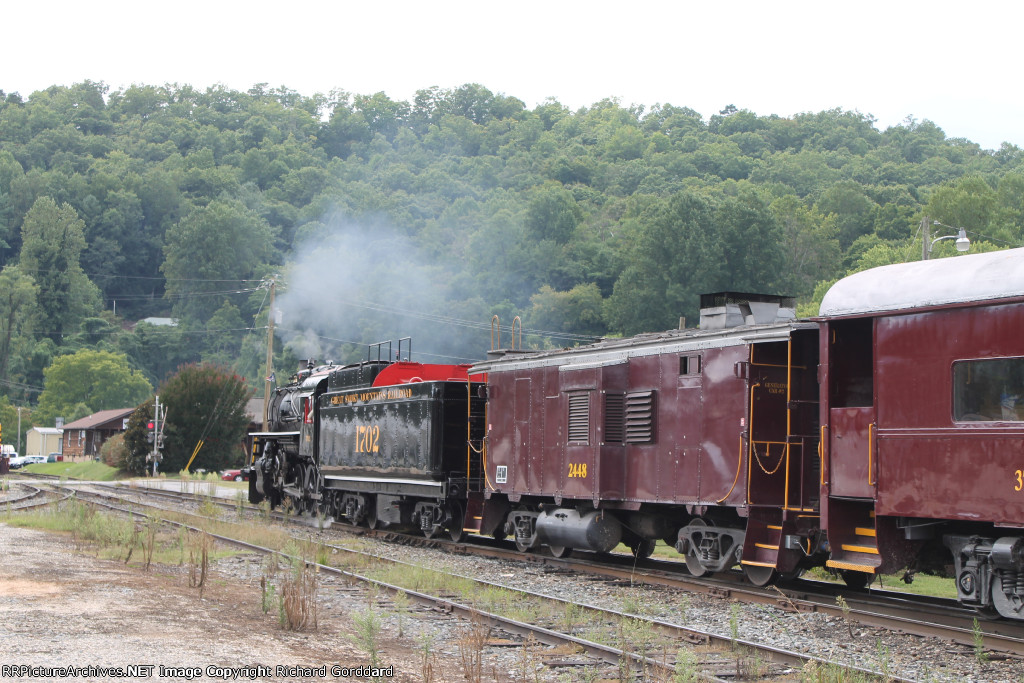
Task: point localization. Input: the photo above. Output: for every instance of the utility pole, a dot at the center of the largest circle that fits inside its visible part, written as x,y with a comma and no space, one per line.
270,358
156,434
19,429
927,241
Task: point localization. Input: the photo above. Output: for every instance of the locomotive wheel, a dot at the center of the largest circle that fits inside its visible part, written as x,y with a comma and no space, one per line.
559,551
371,515
857,581
643,549
759,576
522,547
1004,605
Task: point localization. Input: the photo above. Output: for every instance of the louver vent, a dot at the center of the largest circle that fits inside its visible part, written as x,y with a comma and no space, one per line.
579,417
614,418
640,417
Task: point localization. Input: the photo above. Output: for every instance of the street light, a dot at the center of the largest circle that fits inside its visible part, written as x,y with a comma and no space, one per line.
963,244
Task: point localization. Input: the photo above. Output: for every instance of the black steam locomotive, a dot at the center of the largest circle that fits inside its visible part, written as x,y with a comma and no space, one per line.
381,443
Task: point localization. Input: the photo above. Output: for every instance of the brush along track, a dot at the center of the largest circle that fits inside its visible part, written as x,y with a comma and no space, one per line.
640,637
893,611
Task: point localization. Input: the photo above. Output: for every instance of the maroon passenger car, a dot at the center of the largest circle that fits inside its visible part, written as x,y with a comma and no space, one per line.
706,438
921,421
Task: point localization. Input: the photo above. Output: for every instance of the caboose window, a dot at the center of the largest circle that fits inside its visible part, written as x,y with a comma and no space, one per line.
689,365
990,390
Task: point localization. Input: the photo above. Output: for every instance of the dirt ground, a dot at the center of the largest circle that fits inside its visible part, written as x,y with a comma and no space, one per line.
75,617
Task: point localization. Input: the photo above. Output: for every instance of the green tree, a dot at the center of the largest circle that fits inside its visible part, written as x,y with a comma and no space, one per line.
52,240
966,203
751,242
578,311
553,214
136,445
9,421
205,405
677,257
97,380
1010,195
211,248
854,211
810,245
158,350
225,328
18,294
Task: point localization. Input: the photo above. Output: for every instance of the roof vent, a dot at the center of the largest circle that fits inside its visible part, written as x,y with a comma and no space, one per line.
721,310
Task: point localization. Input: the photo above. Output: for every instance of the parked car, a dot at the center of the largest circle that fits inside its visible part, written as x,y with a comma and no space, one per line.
233,475
33,459
17,461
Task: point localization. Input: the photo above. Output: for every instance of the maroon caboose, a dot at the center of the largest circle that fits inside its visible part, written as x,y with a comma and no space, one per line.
705,438
921,422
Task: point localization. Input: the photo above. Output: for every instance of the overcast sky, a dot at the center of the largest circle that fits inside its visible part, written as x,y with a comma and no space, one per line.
957,64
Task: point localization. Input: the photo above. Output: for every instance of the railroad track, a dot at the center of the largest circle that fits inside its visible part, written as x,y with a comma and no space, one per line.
1002,640
719,656
31,497
894,611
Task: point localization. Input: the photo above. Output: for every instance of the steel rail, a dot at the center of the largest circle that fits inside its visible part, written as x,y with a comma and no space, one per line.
947,621
678,633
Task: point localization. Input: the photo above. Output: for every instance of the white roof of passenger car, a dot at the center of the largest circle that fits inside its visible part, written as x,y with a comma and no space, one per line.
937,282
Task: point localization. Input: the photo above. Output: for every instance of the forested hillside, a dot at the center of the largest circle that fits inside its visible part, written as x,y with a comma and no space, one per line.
380,219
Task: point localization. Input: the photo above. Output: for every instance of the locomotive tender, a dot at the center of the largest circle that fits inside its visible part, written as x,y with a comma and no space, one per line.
380,443
885,434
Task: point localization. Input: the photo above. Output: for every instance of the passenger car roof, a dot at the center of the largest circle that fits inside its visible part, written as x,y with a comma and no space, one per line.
920,284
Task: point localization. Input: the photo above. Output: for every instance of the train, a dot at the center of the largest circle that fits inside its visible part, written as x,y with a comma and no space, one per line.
885,434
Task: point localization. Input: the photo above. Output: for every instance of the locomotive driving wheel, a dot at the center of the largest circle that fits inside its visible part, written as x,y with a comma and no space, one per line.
559,551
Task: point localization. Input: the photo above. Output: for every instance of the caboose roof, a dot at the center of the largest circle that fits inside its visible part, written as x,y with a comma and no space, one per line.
920,284
615,350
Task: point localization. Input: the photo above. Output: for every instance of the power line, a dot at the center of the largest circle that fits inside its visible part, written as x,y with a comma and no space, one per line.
459,322
19,385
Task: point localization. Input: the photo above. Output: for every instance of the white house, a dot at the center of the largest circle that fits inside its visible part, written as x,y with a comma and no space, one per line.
43,441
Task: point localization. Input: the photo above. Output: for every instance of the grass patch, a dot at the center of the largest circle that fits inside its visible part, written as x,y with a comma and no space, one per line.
109,536
924,584
90,469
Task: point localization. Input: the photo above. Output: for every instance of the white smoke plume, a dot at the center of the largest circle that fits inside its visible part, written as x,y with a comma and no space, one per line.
353,284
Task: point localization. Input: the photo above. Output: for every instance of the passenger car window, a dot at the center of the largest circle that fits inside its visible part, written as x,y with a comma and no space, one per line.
990,390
